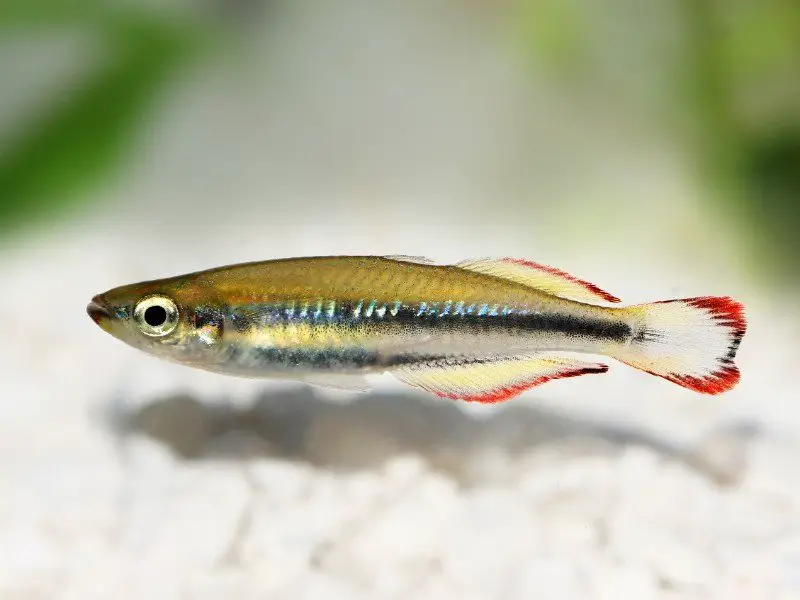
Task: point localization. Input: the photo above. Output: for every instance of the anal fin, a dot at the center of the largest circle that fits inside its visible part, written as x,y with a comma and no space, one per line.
493,380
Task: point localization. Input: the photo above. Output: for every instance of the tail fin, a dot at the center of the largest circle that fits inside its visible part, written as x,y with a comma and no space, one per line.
691,342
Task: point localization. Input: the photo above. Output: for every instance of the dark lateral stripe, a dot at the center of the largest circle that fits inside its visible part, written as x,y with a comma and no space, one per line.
416,317
536,323
570,325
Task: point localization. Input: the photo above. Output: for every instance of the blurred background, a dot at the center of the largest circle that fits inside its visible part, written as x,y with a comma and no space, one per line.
652,148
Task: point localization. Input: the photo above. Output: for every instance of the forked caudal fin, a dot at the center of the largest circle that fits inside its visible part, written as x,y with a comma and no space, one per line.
691,342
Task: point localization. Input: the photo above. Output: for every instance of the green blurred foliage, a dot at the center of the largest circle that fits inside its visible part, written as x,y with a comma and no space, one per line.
734,88
771,170
734,85
554,31
743,64
81,140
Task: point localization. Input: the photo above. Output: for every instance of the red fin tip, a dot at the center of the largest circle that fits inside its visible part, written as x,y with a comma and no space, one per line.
720,381
552,270
506,393
725,310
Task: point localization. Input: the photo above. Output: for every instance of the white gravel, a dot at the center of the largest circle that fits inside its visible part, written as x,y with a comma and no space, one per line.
123,477
379,128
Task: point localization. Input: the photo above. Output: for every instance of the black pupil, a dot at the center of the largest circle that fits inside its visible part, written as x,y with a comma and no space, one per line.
155,316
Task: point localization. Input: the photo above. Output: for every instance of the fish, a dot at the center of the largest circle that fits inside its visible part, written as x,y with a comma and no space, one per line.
479,330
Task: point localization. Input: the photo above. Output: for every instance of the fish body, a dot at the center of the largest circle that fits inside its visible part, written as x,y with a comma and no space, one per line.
482,330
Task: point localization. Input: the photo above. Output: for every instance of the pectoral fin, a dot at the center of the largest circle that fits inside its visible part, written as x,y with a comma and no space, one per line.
335,381
495,380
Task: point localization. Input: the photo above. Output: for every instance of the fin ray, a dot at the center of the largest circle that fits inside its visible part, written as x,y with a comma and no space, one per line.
422,260
494,380
542,277
690,341
337,381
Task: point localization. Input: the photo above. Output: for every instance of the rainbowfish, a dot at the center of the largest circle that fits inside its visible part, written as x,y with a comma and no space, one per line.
479,330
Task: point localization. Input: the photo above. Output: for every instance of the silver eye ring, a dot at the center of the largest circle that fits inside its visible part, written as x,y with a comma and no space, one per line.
156,316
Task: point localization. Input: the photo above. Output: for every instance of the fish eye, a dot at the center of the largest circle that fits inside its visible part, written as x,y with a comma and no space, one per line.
156,316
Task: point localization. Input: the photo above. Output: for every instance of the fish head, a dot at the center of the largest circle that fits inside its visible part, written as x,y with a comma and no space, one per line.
177,320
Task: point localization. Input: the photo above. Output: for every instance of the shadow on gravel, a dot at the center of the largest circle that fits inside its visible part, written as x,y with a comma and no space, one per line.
297,425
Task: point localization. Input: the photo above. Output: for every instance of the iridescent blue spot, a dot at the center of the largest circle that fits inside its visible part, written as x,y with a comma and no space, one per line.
446,309
370,308
422,308
357,309
493,311
290,310
381,311
433,309
507,310
304,311
318,312
459,309
470,309
396,308
331,308
483,310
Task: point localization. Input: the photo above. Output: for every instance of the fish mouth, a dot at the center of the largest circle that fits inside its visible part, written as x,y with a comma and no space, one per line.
98,310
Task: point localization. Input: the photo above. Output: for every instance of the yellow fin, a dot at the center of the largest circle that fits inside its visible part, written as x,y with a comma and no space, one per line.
541,277
494,380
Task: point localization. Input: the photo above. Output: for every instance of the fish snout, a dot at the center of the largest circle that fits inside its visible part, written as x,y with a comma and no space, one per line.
98,309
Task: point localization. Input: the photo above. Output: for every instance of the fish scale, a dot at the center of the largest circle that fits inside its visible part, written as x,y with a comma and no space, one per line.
480,330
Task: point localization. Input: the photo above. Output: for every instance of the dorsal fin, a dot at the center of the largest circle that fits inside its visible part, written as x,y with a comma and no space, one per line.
541,277
422,260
